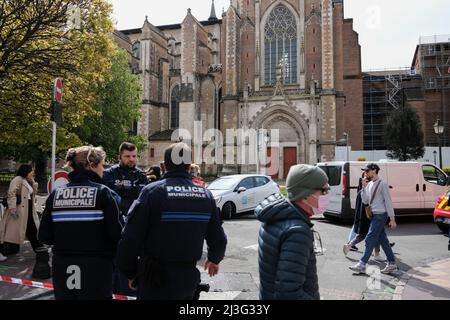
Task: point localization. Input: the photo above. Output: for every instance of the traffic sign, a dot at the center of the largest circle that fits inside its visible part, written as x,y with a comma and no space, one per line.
61,179
58,90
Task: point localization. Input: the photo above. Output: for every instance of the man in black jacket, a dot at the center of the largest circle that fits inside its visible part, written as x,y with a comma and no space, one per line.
125,178
165,234
127,181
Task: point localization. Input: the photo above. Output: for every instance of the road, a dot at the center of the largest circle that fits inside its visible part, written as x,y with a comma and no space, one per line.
418,241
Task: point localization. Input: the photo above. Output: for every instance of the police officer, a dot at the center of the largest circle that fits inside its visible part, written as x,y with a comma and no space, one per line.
125,178
81,221
165,233
127,181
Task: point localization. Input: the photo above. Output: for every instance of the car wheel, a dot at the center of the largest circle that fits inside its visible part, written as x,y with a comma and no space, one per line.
228,211
444,228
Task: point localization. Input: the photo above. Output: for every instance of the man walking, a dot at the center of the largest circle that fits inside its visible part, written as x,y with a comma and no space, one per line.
376,196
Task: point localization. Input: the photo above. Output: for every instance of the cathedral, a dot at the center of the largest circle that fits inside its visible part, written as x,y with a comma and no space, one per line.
290,65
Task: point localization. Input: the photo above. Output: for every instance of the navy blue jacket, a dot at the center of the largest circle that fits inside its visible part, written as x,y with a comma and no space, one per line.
169,223
127,183
81,218
287,263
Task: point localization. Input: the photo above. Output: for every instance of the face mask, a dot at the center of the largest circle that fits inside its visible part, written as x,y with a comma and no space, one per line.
324,203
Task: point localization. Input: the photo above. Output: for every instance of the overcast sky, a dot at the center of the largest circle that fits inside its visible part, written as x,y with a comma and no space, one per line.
389,30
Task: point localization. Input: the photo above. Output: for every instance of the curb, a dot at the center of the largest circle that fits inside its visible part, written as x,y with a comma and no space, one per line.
403,281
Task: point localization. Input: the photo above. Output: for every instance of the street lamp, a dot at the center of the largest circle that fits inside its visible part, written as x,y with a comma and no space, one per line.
435,155
346,137
439,130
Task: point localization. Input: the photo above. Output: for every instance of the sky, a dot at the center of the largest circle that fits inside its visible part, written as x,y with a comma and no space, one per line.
389,30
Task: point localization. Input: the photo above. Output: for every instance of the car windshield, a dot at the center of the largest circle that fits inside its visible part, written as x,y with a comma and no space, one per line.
222,184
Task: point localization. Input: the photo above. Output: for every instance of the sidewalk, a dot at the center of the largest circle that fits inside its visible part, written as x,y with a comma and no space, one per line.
429,282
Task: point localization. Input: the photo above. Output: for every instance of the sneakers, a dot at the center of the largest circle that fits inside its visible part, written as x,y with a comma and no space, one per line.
2,258
358,268
354,248
346,249
390,268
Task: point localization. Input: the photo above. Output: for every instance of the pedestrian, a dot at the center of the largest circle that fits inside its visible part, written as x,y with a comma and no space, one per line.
81,222
194,171
361,225
287,261
22,221
375,194
165,233
127,180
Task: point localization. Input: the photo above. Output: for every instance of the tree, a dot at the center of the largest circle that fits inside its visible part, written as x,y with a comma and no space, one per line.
404,136
36,46
117,108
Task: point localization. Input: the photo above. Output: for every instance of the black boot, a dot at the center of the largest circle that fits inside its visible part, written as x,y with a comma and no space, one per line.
42,269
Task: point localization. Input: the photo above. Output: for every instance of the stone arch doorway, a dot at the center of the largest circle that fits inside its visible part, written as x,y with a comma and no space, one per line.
292,148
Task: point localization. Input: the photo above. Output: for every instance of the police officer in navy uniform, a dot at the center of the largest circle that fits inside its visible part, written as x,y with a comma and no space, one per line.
81,222
125,178
165,233
127,181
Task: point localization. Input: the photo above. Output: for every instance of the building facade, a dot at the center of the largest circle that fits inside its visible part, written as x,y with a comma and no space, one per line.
425,87
290,65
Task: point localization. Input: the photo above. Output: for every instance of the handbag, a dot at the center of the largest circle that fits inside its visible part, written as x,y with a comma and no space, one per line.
18,201
369,212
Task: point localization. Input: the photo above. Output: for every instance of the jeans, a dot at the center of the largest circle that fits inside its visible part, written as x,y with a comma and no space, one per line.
352,234
449,239
377,234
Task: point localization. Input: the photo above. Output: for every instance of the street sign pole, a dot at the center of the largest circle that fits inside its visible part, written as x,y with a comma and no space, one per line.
53,154
57,118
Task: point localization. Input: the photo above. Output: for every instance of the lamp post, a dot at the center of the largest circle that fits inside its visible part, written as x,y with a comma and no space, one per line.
439,130
346,137
435,155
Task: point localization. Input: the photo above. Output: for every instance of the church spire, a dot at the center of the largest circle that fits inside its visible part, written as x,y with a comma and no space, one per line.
212,16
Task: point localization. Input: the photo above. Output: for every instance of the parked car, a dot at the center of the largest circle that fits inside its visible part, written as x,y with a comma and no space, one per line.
415,186
241,193
442,212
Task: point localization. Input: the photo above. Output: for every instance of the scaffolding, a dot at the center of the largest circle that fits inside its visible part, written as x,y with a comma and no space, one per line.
384,92
433,63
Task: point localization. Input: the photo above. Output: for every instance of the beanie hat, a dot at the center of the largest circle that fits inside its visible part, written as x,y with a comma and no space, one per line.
304,180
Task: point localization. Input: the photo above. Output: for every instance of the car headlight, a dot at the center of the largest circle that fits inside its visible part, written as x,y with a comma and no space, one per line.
218,199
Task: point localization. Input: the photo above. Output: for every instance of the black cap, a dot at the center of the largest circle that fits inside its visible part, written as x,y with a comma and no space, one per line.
371,166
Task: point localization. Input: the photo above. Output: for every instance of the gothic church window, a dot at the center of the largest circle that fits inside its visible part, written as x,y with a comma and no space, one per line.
175,107
137,50
280,40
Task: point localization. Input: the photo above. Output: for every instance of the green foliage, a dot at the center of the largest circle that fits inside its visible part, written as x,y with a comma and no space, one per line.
36,46
404,136
117,108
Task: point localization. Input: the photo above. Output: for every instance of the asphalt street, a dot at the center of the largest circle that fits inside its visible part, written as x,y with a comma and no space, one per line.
418,242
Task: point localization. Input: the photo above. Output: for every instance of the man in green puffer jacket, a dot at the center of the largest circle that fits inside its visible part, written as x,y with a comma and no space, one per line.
287,263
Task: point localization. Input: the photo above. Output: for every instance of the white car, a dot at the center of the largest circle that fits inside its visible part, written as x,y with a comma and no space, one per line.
241,193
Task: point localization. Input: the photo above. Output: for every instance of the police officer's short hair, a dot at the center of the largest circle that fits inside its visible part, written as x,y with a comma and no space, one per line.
127,146
178,157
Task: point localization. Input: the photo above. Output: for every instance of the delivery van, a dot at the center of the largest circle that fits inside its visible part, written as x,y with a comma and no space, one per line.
415,186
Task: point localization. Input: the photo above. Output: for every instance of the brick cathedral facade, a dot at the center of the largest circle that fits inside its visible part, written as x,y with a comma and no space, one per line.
291,65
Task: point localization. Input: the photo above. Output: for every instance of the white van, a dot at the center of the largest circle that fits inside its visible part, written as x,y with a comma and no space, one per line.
415,187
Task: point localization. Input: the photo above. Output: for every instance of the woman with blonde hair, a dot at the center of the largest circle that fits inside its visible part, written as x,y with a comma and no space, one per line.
81,221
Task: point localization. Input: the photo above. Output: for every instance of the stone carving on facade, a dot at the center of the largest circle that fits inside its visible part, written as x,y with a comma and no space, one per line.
215,68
